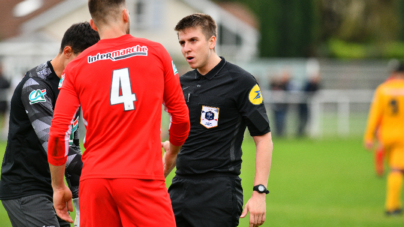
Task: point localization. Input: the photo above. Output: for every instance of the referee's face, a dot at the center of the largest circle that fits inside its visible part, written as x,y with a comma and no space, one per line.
195,47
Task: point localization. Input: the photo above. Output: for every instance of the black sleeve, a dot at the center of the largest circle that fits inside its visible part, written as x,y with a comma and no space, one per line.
251,105
37,99
73,162
73,170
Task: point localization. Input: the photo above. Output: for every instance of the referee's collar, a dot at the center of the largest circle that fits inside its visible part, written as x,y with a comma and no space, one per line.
212,73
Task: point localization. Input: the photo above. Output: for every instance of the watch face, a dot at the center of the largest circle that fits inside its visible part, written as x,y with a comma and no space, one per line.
261,188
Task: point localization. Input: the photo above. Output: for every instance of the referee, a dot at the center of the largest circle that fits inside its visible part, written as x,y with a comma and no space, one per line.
223,100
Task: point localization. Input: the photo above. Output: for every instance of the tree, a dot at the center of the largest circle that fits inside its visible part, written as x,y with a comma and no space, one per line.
353,28
288,28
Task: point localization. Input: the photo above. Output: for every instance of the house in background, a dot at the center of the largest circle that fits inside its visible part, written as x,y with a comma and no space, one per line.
31,30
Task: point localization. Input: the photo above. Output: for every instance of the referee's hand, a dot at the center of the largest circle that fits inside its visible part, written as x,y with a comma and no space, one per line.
62,202
256,206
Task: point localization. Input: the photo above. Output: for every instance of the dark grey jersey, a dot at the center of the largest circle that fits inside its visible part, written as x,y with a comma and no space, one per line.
25,169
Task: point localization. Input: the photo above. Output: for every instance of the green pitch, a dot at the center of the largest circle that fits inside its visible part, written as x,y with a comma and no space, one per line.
329,183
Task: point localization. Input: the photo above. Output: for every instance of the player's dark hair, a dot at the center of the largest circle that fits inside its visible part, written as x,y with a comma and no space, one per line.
79,37
399,68
205,21
101,9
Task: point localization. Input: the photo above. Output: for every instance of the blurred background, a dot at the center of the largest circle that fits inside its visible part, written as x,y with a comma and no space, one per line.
318,63
317,60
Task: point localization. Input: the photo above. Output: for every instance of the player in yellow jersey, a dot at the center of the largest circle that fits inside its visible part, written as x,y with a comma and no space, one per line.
387,116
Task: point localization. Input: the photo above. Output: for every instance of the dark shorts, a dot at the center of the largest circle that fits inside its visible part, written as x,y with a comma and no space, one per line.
214,201
33,211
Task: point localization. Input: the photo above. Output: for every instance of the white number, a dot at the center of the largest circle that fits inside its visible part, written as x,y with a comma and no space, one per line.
121,85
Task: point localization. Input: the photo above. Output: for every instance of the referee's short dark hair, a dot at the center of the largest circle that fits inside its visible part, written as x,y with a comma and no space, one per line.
79,37
101,10
205,21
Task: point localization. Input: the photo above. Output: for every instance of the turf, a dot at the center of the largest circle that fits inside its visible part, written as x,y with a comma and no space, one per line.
314,183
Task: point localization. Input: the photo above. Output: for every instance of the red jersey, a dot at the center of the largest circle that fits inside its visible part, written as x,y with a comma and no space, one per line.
120,84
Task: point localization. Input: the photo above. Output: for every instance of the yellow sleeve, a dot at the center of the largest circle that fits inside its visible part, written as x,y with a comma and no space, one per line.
374,117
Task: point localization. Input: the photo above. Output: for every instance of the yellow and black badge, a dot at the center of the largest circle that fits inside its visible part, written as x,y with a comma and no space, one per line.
255,96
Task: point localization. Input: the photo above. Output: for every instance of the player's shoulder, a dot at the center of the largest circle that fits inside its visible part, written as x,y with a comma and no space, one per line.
81,58
87,51
37,75
40,72
149,43
379,89
388,83
391,84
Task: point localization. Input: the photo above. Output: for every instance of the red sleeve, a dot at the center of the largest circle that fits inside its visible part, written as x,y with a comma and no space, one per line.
175,103
66,107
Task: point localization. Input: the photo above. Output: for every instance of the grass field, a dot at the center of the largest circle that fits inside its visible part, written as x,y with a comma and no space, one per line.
330,182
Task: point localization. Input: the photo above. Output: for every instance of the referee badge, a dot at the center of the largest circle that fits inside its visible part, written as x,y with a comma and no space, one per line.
255,95
209,116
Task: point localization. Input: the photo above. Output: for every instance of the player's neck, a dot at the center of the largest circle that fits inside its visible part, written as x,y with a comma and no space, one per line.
399,77
112,31
58,65
213,60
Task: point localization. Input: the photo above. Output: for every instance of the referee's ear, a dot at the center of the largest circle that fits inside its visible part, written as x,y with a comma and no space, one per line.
212,42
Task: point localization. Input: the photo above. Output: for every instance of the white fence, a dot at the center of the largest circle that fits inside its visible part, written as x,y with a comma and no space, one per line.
332,112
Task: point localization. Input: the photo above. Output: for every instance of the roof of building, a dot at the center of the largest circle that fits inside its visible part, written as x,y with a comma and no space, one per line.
240,11
10,25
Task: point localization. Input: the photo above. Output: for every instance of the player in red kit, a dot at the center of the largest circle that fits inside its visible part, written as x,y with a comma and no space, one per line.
121,83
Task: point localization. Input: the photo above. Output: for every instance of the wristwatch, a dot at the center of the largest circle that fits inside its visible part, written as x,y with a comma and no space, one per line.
260,189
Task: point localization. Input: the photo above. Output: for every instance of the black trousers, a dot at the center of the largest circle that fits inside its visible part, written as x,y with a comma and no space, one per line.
207,201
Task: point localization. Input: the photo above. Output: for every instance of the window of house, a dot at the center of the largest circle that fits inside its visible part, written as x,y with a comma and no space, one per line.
26,7
227,37
148,14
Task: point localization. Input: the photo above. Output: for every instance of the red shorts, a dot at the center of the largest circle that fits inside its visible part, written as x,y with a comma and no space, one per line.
125,202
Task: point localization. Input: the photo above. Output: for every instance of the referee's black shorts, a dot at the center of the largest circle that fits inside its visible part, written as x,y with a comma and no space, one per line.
206,201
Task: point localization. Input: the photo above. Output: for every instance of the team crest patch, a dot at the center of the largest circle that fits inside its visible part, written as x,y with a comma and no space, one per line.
255,95
37,96
174,68
62,78
209,116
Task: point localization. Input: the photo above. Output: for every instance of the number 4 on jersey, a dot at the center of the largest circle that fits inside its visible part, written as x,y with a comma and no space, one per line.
121,91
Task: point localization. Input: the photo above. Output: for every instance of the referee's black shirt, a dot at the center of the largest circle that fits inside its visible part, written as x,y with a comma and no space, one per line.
221,104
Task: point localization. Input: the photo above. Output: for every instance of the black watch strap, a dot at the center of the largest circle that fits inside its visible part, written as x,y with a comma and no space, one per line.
260,189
